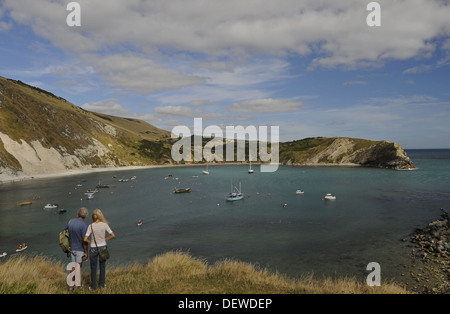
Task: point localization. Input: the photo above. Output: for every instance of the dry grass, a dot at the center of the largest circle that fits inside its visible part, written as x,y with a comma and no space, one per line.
174,273
23,275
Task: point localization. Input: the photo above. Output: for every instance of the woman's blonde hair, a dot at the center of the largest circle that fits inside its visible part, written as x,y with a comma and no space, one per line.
97,215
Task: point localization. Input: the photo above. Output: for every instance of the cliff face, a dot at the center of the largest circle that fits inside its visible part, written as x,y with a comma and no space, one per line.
41,133
345,152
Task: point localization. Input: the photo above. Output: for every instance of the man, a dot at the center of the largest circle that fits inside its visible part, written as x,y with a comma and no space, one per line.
78,248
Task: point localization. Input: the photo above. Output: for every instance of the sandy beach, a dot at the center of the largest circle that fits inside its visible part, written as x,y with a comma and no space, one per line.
10,179
5,178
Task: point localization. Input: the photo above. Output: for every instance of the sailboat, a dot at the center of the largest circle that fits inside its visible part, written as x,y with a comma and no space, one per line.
206,172
102,186
250,170
235,195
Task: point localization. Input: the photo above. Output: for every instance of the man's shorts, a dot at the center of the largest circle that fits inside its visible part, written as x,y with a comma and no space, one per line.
77,256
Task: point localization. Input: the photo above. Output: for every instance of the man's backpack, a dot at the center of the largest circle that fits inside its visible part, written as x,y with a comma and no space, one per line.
64,240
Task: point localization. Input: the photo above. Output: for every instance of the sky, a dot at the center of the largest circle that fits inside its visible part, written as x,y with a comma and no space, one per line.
311,67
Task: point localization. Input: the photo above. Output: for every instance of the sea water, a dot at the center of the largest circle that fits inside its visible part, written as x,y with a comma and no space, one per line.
374,210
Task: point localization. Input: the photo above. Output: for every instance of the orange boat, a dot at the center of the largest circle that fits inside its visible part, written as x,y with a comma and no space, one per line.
24,203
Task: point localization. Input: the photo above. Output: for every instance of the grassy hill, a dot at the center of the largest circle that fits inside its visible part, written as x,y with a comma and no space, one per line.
176,273
38,120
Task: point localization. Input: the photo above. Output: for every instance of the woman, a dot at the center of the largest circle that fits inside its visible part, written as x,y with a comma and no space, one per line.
97,230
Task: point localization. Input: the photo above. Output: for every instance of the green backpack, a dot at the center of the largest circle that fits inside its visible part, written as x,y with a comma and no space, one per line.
64,240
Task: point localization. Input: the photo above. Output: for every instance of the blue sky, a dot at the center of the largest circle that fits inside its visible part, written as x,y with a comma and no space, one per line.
313,68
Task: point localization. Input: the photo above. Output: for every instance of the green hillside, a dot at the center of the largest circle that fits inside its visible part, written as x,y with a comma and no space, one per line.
29,114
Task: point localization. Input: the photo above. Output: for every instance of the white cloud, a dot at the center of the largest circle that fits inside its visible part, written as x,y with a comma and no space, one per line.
265,106
141,75
335,31
247,81
203,102
355,83
417,69
175,111
107,106
215,65
4,26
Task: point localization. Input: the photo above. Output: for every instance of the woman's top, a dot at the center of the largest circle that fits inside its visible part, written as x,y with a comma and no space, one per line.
99,232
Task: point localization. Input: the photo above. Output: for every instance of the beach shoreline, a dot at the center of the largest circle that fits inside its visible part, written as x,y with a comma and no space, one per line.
74,172
20,178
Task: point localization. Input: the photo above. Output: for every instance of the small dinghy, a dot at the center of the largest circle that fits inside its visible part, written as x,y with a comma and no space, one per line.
21,247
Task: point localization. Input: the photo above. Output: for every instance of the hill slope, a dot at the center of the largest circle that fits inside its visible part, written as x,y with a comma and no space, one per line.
42,133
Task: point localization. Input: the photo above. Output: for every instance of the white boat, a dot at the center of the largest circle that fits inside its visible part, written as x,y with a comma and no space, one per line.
329,197
250,170
89,196
3,254
22,248
298,192
206,172
235,194
51,206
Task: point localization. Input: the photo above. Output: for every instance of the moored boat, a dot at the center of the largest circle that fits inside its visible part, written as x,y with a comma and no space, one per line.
235,194
329,197
182,190
51,206
250,170
24,203
206,172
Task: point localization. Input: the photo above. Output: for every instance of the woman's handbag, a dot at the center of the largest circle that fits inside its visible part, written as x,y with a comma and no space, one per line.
103,255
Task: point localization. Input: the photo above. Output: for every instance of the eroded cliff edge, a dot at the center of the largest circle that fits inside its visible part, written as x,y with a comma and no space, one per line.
344,151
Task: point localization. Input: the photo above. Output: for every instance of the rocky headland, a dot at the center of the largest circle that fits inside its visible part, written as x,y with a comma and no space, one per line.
344,151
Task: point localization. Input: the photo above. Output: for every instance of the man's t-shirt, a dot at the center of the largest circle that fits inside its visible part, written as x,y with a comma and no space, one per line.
77,230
